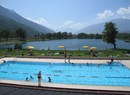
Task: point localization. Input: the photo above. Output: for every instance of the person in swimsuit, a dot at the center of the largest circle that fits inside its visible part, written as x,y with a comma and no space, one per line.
39,78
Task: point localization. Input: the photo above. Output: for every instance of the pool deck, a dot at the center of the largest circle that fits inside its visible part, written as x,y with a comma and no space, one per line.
93,61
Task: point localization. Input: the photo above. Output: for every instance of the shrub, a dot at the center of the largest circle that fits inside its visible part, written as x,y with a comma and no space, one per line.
18,46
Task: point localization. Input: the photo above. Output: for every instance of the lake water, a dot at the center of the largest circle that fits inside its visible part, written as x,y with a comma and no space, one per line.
73,44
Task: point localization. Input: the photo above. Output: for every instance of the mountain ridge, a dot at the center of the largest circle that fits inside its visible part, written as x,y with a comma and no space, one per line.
7,23
121,24
18,18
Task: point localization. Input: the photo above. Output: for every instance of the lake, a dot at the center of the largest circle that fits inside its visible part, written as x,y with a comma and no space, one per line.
72,44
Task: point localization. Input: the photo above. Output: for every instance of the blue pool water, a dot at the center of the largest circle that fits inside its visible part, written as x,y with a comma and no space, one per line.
83,74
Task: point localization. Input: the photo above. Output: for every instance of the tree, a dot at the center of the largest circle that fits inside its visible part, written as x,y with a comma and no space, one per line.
98,36
70,35
5,33
64,35
82,36
18,46
48,35
0,35
58,35
20,33
109,33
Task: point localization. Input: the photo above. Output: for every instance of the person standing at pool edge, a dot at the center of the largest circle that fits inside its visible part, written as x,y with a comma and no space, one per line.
39,78
65,55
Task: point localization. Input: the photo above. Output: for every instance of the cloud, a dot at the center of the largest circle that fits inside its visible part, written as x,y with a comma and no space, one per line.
77,26
105,14
123,11
73,25
68,22
40,21
68,25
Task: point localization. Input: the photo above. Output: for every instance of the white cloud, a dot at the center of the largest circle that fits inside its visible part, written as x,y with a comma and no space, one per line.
68,25
73,25
123,11
77,26
41,21
105,14
68,22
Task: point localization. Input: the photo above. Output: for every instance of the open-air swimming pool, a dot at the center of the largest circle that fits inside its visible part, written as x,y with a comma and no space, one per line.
65,73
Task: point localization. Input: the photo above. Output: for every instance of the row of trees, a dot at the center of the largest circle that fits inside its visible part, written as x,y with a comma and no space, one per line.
108,35
58,35
5,33
22,35
124,36
19,33
89,36
65,35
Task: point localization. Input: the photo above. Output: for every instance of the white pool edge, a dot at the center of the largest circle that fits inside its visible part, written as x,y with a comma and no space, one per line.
68,86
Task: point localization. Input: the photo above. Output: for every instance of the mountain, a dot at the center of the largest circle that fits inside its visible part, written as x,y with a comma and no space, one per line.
7,23
13,16
123,25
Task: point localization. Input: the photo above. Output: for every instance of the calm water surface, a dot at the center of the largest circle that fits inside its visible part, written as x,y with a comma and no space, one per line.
72,44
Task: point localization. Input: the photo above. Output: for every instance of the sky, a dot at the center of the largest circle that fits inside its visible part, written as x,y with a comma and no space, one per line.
69,15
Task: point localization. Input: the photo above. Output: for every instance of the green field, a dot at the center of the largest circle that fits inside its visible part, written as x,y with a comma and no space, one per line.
60,53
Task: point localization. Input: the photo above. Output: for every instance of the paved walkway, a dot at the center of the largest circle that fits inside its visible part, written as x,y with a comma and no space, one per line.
12,90
23,90
125,62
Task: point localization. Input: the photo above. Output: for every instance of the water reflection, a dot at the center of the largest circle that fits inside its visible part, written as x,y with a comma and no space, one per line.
72,44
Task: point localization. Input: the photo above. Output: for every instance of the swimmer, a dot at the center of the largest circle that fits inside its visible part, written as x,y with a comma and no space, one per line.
26,79
31,77
49,79
39,76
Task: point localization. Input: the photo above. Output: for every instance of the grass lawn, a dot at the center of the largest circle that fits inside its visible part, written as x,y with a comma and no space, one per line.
74,53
